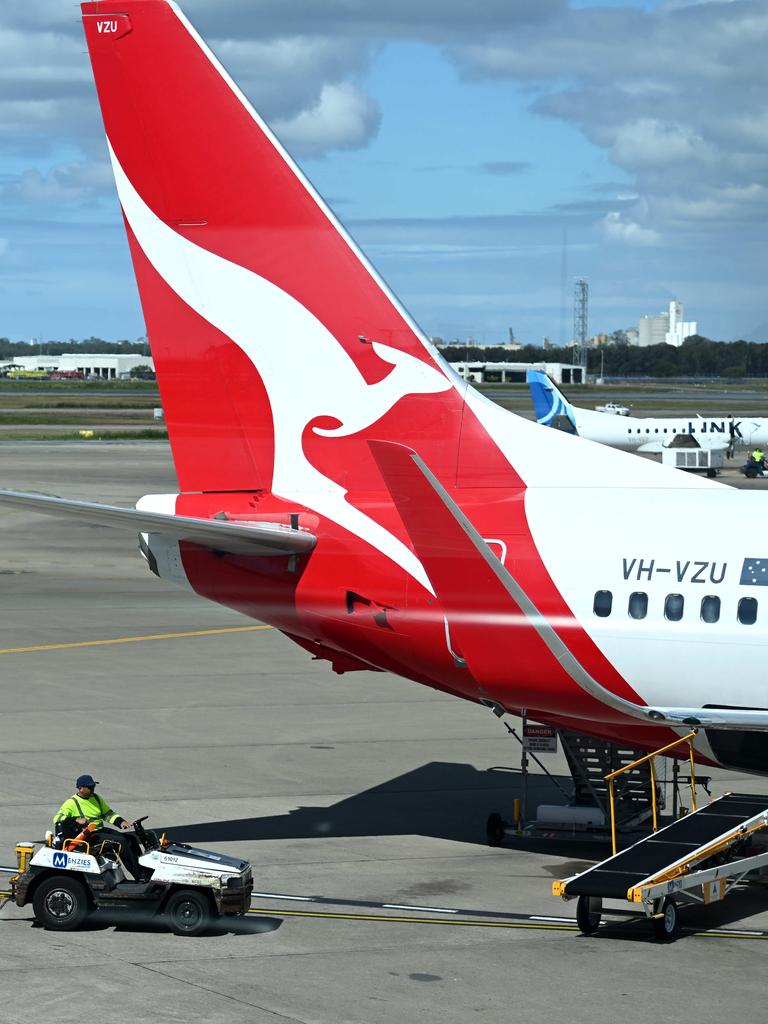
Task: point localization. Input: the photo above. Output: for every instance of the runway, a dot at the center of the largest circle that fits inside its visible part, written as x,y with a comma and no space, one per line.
359,799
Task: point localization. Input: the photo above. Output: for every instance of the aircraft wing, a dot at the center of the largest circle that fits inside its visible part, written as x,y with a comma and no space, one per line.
477,590
219,535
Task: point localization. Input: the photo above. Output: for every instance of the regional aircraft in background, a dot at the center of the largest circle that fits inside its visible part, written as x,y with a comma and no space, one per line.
641,434
339,481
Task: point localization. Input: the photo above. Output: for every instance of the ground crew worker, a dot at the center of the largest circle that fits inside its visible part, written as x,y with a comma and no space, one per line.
757,457
89,807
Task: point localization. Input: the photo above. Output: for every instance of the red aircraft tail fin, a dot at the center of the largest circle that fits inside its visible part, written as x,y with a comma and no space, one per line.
276,345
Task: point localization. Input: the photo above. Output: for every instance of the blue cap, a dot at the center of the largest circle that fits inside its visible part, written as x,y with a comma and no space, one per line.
85,780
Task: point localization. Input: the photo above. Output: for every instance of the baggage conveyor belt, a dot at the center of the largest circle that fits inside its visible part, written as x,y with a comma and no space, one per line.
695,859
613,878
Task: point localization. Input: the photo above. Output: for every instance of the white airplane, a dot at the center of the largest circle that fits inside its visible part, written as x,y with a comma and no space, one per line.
646,434
339,481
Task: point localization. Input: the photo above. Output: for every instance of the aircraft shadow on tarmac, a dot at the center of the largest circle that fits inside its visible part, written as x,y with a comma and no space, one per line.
439,800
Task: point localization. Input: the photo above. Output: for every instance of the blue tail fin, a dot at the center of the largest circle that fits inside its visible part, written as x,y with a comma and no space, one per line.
548,403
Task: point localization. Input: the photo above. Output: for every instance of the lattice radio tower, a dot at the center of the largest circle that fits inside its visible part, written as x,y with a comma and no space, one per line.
580,320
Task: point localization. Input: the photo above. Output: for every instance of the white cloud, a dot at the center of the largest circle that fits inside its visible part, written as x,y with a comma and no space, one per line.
676,96
649,142
343,118
618,228
63,183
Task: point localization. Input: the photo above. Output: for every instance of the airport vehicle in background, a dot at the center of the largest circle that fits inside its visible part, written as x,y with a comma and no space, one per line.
186,886
641,434
339,481
27,374
614,408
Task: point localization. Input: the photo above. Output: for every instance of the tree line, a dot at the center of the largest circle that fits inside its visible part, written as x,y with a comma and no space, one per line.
10,349
696,357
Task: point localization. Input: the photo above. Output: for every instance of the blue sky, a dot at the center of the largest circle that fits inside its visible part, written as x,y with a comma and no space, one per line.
484,155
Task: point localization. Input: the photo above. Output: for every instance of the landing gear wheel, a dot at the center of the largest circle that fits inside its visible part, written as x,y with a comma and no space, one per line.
60,904
589,912
494,829
667,926
188,912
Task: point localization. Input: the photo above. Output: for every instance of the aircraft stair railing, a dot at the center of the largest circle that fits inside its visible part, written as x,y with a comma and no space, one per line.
649,759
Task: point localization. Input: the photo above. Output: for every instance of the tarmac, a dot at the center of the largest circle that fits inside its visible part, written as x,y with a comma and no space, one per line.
360,800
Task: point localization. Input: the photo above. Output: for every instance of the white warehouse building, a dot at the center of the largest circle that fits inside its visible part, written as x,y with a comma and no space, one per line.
104,365
514,373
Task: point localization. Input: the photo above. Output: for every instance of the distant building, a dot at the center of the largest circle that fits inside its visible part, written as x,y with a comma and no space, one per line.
679,329
106,366
633,336
666,328
514,373
652,330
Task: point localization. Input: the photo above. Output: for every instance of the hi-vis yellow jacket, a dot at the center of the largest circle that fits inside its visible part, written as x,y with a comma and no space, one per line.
95,809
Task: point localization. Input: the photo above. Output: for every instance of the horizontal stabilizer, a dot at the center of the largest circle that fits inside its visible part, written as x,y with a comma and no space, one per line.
474,588
219,535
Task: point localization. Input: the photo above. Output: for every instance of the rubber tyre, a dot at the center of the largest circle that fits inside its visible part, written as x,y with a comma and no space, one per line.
494,829
667,927
61,904
589,913
188,912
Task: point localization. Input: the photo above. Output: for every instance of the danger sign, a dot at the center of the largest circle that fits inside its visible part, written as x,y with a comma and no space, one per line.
541,739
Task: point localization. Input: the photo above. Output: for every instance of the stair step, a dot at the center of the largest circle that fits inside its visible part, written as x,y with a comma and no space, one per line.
590,760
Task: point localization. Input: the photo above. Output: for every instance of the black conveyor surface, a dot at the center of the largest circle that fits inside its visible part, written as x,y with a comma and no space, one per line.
613,877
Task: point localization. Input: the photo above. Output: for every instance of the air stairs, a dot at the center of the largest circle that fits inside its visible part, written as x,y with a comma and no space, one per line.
590,760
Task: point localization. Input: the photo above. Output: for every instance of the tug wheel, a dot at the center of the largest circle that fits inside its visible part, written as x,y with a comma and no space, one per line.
667,925
589,912
60,904
494,829
188,912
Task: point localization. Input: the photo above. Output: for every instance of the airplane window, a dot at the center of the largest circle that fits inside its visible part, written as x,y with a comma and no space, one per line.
655,430
665,430
603,603
747,612
710,609
638,605
647,430
673,607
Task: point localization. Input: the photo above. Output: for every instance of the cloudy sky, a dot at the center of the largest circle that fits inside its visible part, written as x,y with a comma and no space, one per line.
484,153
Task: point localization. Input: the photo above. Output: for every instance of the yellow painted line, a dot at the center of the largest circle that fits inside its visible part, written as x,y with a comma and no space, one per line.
132,639
536,926
527,925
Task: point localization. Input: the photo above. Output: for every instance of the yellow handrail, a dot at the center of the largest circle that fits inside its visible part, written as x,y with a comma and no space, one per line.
641,760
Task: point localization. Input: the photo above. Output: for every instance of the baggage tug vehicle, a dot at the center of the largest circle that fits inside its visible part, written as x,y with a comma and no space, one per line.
187,887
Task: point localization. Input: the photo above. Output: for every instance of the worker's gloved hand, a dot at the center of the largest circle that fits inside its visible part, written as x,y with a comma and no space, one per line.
125,826
81,821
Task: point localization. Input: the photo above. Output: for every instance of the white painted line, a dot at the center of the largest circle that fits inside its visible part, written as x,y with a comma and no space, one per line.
560,920
405,906
282,896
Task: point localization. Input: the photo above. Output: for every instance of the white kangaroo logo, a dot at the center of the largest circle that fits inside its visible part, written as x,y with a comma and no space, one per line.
277,333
